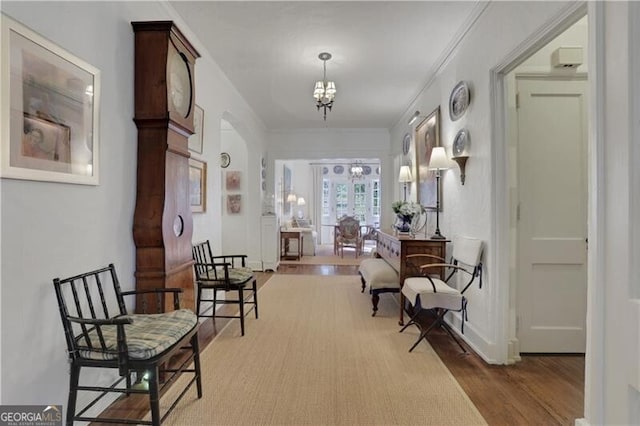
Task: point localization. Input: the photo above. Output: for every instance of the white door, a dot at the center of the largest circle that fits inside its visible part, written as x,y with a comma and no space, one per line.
552,211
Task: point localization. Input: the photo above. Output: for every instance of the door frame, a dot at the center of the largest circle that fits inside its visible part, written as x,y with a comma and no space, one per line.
502,238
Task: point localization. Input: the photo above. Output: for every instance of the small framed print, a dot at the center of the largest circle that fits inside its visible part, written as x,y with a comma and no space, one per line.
234,204
197,185
233,180
50,100
195,140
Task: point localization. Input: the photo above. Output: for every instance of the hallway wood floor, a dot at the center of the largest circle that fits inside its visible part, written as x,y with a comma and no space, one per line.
539,390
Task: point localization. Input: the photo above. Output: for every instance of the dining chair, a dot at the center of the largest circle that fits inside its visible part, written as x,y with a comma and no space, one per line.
349,235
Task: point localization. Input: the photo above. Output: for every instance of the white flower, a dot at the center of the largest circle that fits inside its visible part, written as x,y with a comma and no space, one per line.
407,208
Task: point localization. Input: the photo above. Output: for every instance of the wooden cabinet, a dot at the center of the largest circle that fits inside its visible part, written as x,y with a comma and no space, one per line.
395,249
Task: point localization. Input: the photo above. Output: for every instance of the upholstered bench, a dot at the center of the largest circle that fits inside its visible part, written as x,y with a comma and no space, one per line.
381,277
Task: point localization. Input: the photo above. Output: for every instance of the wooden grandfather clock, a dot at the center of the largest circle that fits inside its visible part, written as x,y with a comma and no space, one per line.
164,103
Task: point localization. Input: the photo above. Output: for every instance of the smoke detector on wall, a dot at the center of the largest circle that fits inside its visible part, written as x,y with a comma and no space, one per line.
566,57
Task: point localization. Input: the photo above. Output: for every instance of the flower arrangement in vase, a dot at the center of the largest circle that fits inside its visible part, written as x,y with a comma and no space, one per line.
405,210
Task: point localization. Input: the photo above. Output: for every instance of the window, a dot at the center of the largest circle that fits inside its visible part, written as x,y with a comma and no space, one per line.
342,199
325,197
359,201
375,198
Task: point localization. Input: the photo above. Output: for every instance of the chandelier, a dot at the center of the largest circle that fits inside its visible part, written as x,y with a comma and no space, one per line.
356,170
324,91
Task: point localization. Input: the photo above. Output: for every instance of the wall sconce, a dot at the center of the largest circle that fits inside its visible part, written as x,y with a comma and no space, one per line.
462,161
460,151
404,178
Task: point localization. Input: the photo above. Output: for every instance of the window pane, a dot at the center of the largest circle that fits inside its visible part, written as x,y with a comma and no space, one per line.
342,199
375,198
325,197
359,201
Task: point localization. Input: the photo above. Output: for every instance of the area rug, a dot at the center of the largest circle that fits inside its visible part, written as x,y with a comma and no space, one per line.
317,357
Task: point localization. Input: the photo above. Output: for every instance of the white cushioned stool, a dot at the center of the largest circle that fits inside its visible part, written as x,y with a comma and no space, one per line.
381,277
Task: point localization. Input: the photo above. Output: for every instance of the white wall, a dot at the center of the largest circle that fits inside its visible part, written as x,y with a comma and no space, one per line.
467,209
56,230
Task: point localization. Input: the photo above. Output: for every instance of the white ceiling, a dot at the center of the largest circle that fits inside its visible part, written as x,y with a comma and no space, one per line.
383,54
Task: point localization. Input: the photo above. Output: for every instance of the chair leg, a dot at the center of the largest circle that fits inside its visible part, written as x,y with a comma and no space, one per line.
198,301
412,321
375,298
241,302
215,303
423,333
154,396
255,297
196,363
74,378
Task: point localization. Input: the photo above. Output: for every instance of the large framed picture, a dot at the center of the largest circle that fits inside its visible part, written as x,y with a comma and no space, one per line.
427,137
50,102
197,185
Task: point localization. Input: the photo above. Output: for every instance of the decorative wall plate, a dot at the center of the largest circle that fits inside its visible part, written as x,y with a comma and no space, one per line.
459,100
366,170
461,143
325,170
338,169
225,160
264,162
406,143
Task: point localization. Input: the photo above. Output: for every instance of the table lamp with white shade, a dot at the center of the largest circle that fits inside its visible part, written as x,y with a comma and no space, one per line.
437,162
301,202
405,178
291,199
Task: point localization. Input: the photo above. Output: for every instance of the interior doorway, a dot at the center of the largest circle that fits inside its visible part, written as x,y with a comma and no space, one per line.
547,125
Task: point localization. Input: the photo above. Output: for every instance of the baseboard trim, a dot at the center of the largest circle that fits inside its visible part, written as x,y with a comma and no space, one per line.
483,347
582,422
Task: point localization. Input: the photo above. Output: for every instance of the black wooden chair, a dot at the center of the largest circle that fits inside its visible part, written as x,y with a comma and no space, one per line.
227,273
100,333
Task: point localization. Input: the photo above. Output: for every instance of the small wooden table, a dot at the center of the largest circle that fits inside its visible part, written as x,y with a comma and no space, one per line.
285,237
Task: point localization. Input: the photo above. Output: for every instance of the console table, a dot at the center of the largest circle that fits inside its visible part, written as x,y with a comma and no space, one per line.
395,248
285,237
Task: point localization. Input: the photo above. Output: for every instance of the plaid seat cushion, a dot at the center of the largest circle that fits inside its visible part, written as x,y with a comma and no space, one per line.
148,335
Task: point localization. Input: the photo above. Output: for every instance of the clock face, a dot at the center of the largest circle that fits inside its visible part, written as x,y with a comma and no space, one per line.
460,143
179,82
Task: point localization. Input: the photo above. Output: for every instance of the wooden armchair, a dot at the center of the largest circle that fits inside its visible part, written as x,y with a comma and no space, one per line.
100,333
227,273
349,235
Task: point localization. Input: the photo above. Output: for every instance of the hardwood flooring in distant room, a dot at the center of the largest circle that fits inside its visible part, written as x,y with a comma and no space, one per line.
539,390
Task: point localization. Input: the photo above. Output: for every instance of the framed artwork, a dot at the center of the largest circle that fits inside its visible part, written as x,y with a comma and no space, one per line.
195,140
197,185
234,204
232,180
427,137
286,190
50,102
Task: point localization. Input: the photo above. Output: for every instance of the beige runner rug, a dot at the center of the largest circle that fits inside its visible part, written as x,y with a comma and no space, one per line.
317,357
